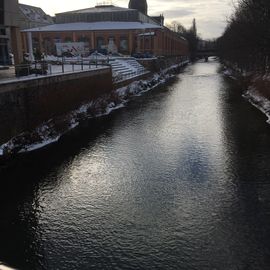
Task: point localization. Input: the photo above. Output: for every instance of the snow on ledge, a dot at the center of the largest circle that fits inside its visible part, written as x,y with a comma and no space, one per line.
92,26
258,101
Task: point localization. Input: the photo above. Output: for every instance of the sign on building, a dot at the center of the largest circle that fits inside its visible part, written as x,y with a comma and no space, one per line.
74,48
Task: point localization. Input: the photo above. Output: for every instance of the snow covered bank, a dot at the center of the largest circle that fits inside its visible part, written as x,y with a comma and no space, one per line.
256,87
258,94
54,129
259,101
233,72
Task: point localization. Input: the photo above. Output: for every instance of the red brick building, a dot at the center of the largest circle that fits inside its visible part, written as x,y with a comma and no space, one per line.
129,30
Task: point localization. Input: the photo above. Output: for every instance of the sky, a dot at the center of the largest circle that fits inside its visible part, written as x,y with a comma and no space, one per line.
211,15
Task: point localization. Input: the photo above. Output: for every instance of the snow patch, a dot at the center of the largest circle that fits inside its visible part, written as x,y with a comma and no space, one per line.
32,147
229,73
258,101
51,131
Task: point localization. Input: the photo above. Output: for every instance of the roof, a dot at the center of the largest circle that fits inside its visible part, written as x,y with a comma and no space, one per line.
97,9
35,14
81,26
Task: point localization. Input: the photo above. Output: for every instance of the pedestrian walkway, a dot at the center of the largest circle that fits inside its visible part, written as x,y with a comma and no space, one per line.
7,73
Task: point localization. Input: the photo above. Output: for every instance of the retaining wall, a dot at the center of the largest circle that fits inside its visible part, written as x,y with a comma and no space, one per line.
25,104
160,63
129,81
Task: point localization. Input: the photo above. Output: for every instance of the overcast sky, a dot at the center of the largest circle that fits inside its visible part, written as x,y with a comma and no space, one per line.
211,15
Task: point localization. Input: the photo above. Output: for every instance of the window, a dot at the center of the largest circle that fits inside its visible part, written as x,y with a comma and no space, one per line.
48,46
123,44
2,20
112,39
2,31
147,44
100,43
68,39
83,39
57,40
4,58
35,42
111,45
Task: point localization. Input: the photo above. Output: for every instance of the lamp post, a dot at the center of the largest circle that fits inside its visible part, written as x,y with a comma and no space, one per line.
143,40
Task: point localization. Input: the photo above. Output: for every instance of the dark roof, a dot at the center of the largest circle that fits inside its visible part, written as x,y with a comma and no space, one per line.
97,9
35,14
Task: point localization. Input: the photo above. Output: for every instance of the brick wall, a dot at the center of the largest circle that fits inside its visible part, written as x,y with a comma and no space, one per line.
26,104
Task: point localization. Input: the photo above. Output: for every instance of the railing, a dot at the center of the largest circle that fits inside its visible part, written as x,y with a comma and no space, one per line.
121,77
46,68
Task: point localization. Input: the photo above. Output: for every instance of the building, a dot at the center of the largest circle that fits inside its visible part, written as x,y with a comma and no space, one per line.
139,5
31,17
103,13
10,38
104,27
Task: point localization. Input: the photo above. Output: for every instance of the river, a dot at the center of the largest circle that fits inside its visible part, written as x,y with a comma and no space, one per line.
177,179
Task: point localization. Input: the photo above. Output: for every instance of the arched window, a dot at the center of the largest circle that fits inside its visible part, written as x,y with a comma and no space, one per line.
123,44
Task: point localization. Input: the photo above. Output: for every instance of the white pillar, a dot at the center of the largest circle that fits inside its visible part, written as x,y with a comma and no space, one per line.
30,46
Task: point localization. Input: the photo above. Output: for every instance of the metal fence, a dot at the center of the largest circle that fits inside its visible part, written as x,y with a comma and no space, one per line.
38,68
121,77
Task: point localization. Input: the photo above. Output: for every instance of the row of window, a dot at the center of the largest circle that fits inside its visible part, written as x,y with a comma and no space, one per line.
80,39
49,43
101,16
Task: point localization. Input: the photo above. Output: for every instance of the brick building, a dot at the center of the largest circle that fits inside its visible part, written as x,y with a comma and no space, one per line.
129,30
10,38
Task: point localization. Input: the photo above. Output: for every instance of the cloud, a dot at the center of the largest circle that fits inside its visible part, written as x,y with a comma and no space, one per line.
210,14
176,13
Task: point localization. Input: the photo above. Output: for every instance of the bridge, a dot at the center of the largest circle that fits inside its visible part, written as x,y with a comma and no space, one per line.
207,53
206,49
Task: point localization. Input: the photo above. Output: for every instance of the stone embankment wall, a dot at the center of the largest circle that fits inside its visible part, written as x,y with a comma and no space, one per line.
123,83
161,63
28,103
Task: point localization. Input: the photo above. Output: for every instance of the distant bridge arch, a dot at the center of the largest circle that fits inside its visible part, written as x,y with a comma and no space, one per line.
206,48
207,53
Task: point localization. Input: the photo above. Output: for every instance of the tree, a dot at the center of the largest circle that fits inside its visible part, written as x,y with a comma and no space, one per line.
189,34
246,39
194,27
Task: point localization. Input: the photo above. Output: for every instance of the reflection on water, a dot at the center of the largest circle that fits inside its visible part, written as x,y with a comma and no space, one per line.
177,180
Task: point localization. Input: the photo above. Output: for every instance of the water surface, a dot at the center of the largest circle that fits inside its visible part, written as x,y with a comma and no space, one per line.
179,179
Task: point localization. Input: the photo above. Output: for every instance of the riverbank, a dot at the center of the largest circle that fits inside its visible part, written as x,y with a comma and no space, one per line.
256,87
52,130
258,93
179,177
